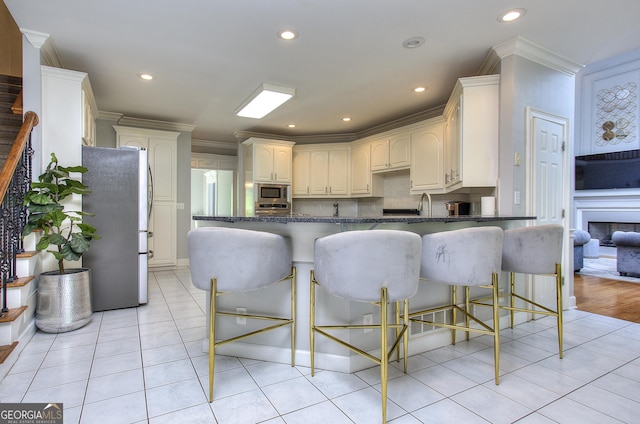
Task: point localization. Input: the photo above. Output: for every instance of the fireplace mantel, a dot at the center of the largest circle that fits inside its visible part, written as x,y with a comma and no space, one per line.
619,205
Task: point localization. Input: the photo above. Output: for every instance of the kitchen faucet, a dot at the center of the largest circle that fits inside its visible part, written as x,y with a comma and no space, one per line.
335,205
422,200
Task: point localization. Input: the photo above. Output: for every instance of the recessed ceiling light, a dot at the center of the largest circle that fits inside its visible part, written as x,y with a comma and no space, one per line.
146,77
420,89
413,42
511,15
288,34
346,119
291,125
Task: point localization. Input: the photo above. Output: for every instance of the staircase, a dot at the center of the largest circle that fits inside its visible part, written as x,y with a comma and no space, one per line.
10,113
18,266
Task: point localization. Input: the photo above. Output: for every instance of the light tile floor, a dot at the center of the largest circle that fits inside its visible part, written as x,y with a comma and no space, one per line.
146,364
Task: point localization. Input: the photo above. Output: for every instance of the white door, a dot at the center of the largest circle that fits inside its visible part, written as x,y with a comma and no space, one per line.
548,189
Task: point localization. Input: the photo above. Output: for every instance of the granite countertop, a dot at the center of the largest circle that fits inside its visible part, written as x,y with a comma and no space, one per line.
359,220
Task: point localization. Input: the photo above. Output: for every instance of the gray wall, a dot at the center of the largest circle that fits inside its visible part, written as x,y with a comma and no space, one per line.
527,83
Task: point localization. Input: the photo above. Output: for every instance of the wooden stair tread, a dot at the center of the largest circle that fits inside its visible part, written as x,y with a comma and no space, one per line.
20,282
6,350
13,314
27,254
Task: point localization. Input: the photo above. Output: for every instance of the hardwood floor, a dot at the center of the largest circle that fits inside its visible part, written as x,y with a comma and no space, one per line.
611,298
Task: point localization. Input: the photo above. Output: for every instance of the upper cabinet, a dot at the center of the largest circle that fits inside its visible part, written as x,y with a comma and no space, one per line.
427,157
361,169
271,160
321,171
391,153
471,146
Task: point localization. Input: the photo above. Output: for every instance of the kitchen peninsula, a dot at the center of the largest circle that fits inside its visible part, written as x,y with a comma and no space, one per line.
302,231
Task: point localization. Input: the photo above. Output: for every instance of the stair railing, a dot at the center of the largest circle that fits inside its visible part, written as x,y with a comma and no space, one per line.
15,180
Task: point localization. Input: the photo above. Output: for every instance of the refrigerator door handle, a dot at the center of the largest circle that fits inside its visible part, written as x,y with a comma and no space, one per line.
151,194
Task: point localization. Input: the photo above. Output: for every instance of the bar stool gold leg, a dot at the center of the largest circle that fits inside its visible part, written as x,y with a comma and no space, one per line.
212,334
559,305
384,351
496,328
454,315
512,288
293,316
467,309
312,321
406,333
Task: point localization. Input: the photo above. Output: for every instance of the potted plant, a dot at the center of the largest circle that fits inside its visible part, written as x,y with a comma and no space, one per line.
64,296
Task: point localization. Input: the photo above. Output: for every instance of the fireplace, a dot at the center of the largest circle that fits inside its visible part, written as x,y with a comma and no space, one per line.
601,212
604,230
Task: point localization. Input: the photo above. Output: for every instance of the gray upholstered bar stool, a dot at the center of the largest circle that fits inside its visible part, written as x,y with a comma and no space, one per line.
229,260
376,266
469,257
534,250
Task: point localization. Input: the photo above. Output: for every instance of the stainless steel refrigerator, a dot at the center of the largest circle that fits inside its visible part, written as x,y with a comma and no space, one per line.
119,198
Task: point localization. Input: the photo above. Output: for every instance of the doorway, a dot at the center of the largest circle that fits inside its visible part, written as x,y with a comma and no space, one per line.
548,190
212,192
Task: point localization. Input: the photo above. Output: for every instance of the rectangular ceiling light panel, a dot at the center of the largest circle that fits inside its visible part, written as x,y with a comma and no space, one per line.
264,100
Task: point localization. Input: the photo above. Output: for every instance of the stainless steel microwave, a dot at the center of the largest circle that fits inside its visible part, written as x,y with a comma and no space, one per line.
272,193
272,199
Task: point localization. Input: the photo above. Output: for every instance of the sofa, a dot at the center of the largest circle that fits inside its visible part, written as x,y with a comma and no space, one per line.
628,252
580,238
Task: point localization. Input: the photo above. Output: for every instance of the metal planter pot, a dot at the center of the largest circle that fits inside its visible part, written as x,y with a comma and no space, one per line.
64,301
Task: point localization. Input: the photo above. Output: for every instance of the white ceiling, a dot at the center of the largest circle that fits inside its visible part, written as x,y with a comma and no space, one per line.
209,55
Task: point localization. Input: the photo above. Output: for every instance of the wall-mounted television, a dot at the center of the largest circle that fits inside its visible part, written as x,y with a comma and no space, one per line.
608,170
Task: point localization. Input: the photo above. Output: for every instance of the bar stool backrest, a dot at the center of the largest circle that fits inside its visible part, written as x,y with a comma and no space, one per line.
355,265
465,257
239,259
533,250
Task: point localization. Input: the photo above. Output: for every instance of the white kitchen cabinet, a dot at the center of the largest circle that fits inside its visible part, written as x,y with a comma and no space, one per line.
321,171
162,151
272,160
391,153
363,182
427,157
301,173
471,156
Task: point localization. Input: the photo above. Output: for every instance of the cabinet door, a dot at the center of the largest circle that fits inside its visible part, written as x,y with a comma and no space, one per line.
163,163
133,141
300,183
400,151
263,163
427,158
338,172
452,147
282,164
380,155
319,173
163,241
361,170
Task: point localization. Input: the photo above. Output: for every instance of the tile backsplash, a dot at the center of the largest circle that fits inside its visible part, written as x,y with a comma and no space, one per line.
397,188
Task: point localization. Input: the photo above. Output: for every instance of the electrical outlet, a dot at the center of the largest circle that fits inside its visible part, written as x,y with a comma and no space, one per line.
501,299
241,321
367,319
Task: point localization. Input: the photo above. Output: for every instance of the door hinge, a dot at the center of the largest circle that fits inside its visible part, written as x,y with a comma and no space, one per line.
564,145
562,215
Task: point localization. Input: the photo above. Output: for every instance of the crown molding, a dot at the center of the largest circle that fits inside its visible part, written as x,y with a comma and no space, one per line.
43,42
404,121
153,124
522,47
109,116
346,137
215,144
